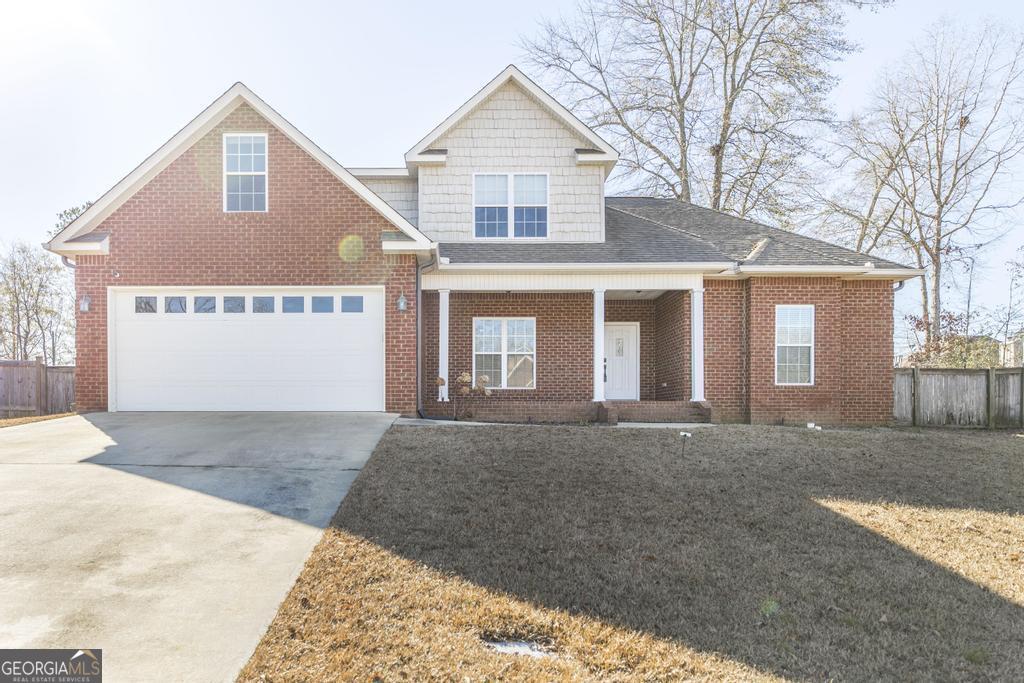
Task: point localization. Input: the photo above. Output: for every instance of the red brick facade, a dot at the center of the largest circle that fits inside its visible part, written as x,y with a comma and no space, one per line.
852,355
316,232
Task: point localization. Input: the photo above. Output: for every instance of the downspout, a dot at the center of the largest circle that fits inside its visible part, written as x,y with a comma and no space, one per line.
67,262
899,286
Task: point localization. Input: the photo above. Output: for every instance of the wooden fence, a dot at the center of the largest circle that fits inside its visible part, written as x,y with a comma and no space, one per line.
30,388
940,397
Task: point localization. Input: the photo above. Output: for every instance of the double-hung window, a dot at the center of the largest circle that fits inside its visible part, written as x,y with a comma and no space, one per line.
245,172
505,351
794,345
519,197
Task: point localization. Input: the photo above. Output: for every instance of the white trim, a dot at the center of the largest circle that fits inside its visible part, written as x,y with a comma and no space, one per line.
196,129
380,172
775,325
578,281
442,343
113,290
510,73
697,344
635,325
585,267
598,344
504,353
511,205
847,272
265,173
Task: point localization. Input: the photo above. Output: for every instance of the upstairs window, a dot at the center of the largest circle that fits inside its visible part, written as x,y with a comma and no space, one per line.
523,197
794,345
245,172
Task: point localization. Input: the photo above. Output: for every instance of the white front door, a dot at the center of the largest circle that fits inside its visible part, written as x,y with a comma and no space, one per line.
622,361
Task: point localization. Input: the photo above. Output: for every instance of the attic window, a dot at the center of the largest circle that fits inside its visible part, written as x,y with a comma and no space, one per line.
245,172
521,197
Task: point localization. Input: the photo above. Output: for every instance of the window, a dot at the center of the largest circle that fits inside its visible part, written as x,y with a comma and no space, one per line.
293,304
528,193
204,304
145,304
351,304
504,349
174,304
263,304
245,172
323,304
234,304
794,345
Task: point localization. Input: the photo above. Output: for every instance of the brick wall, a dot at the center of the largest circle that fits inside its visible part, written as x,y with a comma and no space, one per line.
672,346
174,232
867,373
726,361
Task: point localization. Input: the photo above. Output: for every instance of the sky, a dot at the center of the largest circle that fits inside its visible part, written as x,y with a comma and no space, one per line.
89,89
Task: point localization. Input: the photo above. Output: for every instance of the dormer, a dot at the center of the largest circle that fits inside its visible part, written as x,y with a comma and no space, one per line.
511,164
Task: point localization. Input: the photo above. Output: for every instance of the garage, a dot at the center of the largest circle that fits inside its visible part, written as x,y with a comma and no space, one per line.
246,349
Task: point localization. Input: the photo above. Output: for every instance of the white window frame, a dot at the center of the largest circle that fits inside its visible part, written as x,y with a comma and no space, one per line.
775,323
225,173
505,352
511,205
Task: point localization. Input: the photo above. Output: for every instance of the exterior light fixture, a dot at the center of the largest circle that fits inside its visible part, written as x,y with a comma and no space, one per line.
401,303
83,303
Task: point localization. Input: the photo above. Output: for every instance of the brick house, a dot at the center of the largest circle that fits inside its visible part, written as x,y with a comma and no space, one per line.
242,268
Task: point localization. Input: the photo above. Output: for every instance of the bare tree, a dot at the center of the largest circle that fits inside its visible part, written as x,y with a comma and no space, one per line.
929,160
708,101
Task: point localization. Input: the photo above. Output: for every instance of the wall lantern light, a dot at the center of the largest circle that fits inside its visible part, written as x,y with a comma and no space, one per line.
402,304
83,303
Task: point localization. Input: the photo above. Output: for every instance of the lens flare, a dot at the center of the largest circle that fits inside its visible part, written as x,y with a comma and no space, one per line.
350,248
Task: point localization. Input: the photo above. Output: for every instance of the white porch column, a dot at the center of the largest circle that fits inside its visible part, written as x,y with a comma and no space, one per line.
598,344
697,344
442,342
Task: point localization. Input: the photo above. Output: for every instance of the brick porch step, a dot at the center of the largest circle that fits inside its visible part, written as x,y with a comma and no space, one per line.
655,411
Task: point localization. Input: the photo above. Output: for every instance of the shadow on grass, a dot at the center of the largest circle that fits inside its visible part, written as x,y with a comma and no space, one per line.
723,548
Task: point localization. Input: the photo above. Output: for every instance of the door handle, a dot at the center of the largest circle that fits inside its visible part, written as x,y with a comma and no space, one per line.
606,370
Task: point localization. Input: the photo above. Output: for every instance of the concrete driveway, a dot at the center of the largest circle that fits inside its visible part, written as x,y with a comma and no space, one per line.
166,539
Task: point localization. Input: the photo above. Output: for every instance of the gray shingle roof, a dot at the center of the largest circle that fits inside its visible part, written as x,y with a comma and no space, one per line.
649,230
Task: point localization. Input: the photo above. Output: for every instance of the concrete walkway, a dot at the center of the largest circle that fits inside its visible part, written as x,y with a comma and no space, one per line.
421,422
168,540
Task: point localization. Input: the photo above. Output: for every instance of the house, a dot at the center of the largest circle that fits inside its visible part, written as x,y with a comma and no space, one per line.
240,267
1011,351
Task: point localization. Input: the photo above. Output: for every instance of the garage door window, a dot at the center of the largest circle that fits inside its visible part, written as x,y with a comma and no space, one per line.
263,304
234,304
174,304
145,304
351,304
204,304
293,304
323,304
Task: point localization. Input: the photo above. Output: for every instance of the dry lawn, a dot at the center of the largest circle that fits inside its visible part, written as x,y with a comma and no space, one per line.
759,553
15,421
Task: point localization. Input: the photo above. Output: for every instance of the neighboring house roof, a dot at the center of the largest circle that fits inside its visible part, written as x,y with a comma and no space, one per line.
69,240
666,231
601,152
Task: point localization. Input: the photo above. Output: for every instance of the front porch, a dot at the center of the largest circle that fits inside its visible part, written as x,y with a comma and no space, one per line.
603,355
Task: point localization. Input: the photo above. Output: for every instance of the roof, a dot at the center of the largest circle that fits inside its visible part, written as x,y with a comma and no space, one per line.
602,151
68,240
666,231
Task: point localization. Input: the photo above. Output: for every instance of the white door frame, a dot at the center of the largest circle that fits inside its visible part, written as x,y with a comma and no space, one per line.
636,326
114,290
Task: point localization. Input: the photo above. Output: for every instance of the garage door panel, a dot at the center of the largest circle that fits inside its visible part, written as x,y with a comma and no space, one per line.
249,361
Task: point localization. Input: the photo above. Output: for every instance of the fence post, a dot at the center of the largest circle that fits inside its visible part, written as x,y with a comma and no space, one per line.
915,376
990,402
40,386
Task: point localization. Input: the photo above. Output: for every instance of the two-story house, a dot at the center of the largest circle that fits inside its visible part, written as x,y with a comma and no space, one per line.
240,267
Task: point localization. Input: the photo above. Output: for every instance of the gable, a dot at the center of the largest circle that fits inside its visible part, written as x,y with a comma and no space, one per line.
593,149
69,241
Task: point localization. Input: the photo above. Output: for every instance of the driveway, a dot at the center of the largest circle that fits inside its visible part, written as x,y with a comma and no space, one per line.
166,539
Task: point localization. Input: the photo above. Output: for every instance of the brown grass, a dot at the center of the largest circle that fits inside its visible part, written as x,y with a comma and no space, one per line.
15,421
760,553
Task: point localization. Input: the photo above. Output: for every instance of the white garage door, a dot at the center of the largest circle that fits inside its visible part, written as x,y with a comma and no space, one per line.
247,349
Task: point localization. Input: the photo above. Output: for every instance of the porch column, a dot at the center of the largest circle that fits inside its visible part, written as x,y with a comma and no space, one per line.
697,344
442,343
598,344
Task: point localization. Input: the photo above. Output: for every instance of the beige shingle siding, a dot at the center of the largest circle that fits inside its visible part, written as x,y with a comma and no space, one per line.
511,132
400,193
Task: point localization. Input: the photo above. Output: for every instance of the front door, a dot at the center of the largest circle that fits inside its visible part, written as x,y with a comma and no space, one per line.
622,361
